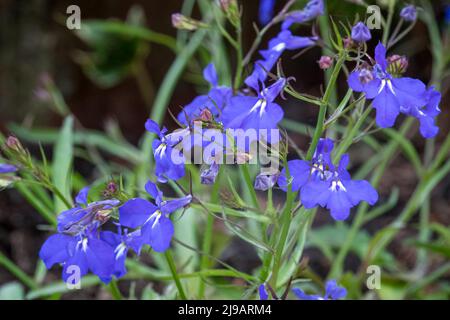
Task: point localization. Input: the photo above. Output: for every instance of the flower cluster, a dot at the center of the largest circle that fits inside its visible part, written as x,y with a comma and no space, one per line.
394,95
321,183
82,245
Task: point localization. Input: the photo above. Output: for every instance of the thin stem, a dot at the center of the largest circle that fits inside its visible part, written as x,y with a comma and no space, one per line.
248,181
17,272
114,290
173,270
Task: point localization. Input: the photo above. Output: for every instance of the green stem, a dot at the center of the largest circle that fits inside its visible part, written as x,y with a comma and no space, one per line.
173,270
248,181
17,272
239,58
114,290
387,27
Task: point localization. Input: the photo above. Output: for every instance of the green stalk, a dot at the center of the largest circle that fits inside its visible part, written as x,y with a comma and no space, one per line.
248,181
173,270
17,272
387,27
114,290
207,240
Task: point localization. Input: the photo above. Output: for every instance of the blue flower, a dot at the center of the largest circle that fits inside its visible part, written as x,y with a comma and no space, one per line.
332,292
169,160
153,220
409,13
322,184
265,181
85,215
7,168
266,8
263,294
283,41
360,32
121,242
209,175
312,9
246,112
394,95
217,98
79,254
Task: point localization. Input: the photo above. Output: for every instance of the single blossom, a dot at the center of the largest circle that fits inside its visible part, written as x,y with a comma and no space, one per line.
121,242
409,13
169,161
85,215
152,219
394,95
265,181
360,32
332,292
260,112
312,9
79,254
285,40
215,101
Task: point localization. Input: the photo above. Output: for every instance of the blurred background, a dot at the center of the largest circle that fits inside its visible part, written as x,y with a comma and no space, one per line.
109,81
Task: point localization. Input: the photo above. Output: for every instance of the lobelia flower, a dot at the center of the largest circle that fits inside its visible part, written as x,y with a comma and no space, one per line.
216,99
247,112
265,181
169,161
84,214
121,242
360,32
283,41
7,168
322,184
312,9
394,95
153,220
263,294
209,175
77,243
265,12
409,13
82,252
332,292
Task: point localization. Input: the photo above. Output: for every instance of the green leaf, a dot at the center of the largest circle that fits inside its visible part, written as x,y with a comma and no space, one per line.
62,164
12,291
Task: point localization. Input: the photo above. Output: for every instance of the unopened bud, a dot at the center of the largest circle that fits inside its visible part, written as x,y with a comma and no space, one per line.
14,144
397,64
348,43
231,10
182,22
325,62
206,115
110,190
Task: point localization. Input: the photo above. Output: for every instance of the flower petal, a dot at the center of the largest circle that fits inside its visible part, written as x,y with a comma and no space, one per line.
135,212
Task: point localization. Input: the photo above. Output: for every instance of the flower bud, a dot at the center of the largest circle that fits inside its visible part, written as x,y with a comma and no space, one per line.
14,144
360,32
206,115
348,43
397,64
182,22
325,62
409,13
265,181
231,10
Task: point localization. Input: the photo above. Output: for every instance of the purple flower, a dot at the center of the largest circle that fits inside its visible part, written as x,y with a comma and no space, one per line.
246,112
209,175
169,160
84,215
283,41
322,184
394,95
265,181
217,98
263,294
265,13
409,13
153,220
79,254
312,9
332,292
7,168
121,242
360,32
